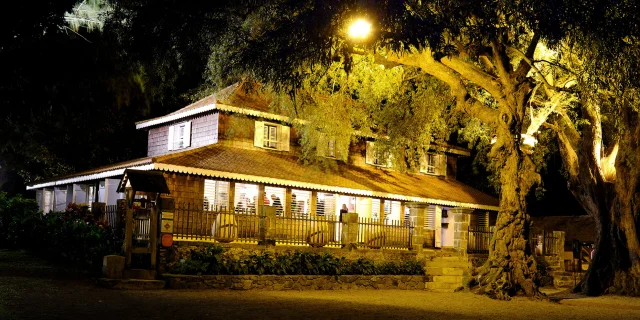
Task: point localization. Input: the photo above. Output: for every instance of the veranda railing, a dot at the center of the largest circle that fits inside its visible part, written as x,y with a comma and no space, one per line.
392,234
316,231
192,223
479,239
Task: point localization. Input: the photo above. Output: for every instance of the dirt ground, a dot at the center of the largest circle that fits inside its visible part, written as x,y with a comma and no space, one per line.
32,289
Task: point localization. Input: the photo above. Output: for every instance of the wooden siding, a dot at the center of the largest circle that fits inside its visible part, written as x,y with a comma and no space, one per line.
204,131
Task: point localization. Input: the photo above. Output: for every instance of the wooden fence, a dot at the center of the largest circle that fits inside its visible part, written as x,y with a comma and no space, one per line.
391,234
479,239
192,223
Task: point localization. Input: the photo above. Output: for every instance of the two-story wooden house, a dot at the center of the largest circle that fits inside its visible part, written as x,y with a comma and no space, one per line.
229,151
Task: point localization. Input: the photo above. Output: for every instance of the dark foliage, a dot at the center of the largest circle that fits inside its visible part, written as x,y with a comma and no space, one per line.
72,236
214,260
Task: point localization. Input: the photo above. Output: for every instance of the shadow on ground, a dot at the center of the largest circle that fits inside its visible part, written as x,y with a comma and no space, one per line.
33,289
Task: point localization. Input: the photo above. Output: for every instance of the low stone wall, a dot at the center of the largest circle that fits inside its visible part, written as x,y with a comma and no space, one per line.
294,282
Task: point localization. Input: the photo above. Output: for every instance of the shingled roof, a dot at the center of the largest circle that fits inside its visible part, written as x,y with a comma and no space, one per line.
261,166
240,97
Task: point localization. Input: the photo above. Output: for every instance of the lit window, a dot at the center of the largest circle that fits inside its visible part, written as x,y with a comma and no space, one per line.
180,136
375,156
270,136
430,164
331,148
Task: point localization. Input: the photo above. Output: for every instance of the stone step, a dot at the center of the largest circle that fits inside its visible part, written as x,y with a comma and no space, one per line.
441,286
452,258
448,279
142,274
131,284
439,271
447,264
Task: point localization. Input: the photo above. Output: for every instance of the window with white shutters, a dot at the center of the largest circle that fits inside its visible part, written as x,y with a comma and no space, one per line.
271,136
376,156
326,204
246,196
375,208
300,202
270,139
216,195
434,164
276,197
180,136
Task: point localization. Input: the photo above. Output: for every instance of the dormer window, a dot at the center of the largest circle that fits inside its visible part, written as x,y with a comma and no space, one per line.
180,136
434,164
326,146
376,157
430,164
271,136
331,148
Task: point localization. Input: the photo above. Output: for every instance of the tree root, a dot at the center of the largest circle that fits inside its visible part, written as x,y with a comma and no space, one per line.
507,280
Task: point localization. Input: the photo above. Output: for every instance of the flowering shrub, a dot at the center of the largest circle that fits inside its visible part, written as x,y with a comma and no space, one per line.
69,236
216,260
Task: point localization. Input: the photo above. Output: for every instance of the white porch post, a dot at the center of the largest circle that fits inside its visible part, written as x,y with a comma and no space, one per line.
110,193
79,193
438,226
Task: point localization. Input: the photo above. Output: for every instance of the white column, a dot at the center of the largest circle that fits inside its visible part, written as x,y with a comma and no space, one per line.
79,193
69,193
40,198
438,227
110,191
60,198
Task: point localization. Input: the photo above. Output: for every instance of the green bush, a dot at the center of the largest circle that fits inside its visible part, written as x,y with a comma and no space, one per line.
70,236
215,260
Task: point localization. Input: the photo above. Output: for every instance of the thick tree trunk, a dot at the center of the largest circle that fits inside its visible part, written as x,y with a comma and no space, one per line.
511,269
613,201
615,266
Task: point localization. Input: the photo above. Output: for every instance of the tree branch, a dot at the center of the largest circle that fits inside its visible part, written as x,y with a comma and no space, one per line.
523,68
424,60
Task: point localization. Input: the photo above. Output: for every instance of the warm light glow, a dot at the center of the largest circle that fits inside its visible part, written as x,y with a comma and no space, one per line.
360,29
528,140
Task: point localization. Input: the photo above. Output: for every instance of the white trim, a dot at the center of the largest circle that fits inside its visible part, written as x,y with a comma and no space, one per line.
168,118
93,176
211,107
315,186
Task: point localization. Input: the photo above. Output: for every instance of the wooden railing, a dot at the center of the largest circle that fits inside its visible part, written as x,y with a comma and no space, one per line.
479,239
314,231
393,234
194,224
546,244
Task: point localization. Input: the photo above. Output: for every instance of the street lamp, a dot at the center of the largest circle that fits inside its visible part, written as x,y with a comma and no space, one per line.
360,29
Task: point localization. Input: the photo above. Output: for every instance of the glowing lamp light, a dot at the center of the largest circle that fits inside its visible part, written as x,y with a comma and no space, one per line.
527,140
359,29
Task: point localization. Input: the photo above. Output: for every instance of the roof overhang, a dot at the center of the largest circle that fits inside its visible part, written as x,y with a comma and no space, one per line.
88,177
212,107
315,186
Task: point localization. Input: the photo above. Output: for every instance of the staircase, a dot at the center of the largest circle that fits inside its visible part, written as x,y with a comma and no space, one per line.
446,273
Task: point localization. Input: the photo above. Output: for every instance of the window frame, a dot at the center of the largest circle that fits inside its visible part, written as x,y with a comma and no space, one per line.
269,141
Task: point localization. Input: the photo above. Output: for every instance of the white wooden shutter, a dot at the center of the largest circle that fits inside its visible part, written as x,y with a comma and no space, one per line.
441,165
369,156
284,138
259,134
39,199
170,139
322,146
186,139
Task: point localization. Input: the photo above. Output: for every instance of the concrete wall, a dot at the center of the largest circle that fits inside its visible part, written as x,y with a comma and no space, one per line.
204,131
